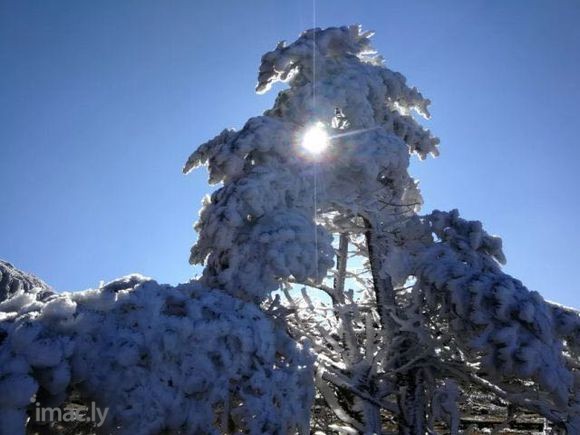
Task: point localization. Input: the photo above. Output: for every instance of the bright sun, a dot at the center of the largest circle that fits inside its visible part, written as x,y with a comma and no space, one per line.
315,139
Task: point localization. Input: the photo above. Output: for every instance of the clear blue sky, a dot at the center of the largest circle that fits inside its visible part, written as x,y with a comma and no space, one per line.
102,102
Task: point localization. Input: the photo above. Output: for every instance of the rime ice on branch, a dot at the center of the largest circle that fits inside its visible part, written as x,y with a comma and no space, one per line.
435,310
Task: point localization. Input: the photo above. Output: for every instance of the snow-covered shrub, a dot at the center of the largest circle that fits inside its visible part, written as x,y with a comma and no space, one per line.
183,359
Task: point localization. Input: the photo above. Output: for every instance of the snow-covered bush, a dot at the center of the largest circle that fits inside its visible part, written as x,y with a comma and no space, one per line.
183,359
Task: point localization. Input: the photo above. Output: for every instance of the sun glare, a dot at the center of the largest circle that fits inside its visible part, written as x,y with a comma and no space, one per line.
315,139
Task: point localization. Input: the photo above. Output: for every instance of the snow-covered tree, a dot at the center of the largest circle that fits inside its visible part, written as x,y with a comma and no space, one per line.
323,287
436,315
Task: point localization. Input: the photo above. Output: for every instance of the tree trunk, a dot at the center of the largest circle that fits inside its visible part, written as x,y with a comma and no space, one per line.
412,403
384,291
411,393
371,414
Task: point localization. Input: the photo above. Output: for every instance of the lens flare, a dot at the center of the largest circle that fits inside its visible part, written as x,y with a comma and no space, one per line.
315,139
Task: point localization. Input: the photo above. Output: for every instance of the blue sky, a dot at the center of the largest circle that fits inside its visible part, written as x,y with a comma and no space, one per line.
102,102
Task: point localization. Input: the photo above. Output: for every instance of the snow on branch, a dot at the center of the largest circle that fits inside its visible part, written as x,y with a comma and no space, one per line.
509,329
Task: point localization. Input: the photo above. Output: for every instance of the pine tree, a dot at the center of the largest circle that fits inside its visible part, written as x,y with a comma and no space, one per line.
434,316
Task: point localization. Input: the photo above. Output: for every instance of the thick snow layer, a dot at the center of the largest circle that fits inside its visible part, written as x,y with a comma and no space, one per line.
491,314
159,357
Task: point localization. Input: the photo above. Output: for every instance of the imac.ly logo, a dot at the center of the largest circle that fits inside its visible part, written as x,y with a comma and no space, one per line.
92,414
